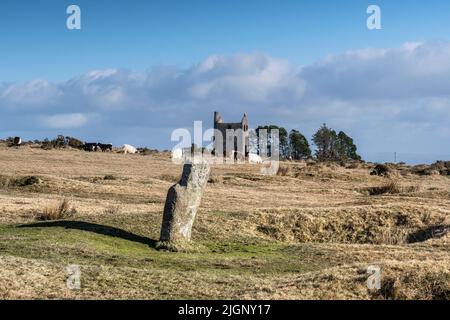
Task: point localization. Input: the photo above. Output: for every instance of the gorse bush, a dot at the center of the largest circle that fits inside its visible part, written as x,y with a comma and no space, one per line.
62,142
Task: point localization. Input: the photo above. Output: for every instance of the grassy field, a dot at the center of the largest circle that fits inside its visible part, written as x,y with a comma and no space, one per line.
308,234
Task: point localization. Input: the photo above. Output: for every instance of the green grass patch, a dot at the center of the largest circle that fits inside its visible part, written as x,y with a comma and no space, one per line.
88,243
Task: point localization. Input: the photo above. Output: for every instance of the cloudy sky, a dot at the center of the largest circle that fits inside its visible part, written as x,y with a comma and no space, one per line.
139,69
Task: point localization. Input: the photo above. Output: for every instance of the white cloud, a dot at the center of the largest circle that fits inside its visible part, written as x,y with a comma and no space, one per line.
372,93
33,93
66,121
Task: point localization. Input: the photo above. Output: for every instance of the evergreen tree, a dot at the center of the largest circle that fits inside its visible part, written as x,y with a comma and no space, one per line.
334,147
346,147
298,145
325,140
283,140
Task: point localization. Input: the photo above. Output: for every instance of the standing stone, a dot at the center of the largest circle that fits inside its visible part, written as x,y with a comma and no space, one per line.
181,206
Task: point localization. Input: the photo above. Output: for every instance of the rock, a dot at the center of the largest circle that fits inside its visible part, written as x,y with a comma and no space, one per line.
181,206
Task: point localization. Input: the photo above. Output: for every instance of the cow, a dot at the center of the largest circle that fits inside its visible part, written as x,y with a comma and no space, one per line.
177,154
129,149
254,158
105,147
17,141
91,146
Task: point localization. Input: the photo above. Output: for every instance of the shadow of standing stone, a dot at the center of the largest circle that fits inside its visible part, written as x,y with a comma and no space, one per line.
181,207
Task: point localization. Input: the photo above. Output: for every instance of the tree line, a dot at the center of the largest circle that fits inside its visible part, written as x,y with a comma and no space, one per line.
330,146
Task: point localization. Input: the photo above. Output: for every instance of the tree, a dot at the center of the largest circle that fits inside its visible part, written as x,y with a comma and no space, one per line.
298,145
325,140
334,147
283,140
346,147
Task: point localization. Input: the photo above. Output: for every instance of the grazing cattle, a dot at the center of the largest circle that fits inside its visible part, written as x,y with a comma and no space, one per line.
105,147
129,149
17,141
254,158
90,146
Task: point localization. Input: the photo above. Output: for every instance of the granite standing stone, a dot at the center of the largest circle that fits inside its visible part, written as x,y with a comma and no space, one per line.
182,202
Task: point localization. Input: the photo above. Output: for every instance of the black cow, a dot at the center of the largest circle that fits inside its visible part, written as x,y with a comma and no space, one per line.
17,141
105,147
90,146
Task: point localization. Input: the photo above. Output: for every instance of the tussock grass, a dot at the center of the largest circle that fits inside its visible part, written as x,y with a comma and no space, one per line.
390,187
61,211
215,178
109,177
112,210
12,181
283,170
169,178
434,285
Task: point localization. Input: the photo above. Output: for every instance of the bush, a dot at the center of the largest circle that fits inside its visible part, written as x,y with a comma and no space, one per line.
381,170
57,143
146,151
439,167
59,212
74,143
27,181
9,181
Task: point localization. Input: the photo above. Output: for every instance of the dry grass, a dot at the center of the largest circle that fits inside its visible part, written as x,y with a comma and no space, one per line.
112,210
308,233
283,170
57,212
390,187
110,177
14,182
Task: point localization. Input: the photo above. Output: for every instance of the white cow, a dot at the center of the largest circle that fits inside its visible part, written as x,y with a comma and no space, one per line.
129,149
177,154
254,158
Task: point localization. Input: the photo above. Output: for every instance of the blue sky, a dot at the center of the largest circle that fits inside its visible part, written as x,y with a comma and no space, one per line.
139,69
